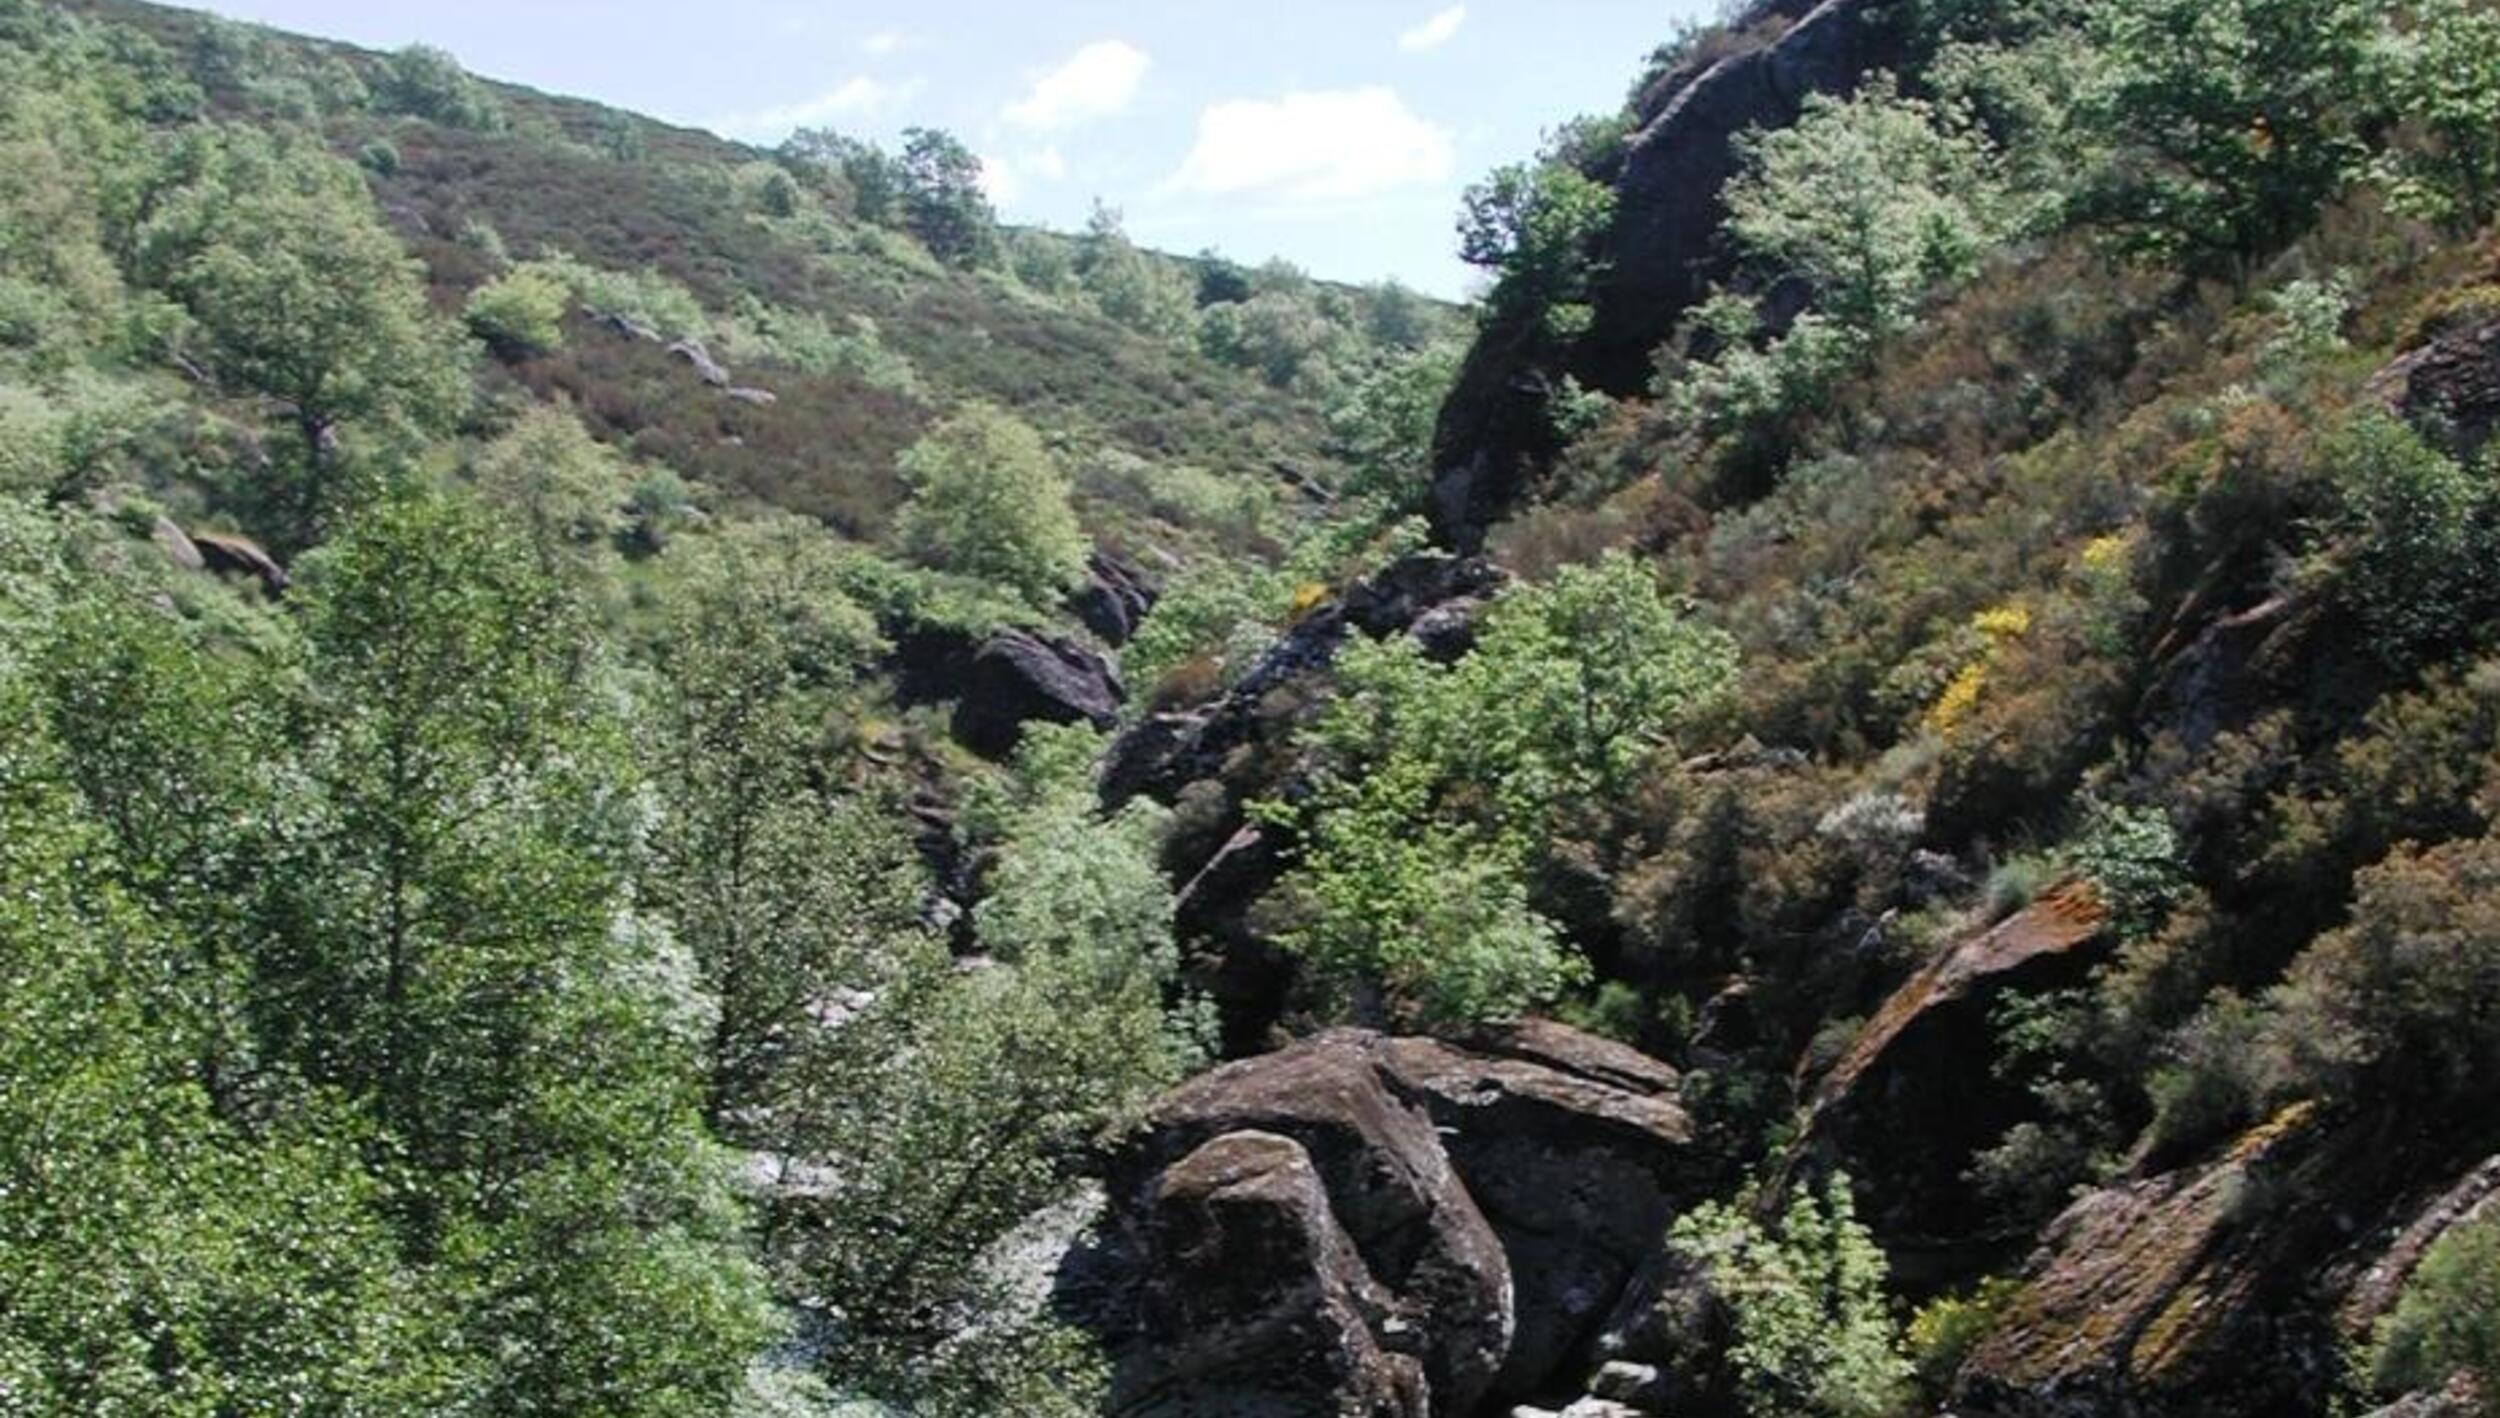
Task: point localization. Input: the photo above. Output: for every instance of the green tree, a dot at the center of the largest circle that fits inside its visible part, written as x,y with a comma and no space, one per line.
154,1257
874,181
1536,226
1813,1334
520,314
1142,292
459,965
567,489
296,292
946,1108
428,83
1444,785
1873,199
2232,120
941,198
784,894
2445,80
988,500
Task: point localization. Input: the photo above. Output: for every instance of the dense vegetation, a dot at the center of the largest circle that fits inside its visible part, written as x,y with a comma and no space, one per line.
490,926
503,975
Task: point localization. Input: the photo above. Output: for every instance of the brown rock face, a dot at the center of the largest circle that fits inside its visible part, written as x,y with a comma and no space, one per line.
2214,1289
1912,1099
1386,1225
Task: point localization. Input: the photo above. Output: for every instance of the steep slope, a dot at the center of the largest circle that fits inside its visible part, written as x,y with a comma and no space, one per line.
2090,860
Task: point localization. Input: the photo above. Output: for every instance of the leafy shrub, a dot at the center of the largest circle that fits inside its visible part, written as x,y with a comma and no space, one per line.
1872,198
1813,1335
1946,1329
425,82
1219,612
988,500
2417,545
521,313
2131,856
2447,1321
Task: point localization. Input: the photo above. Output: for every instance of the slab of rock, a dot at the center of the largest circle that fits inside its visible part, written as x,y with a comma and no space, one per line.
1912,1099
1024,676
1484,1205
706,368
231,554
2375,1290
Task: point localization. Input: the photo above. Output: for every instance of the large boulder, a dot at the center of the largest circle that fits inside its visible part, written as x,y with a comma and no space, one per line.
1024,676
1114,599
1267,1312
1484,1206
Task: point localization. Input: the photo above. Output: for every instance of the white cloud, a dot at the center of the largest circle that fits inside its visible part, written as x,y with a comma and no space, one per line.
1435,32
1006,177
1095,82
853,99
999,182
1314,146
889,42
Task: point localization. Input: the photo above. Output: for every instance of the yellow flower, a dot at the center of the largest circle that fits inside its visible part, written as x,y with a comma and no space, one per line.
2105,553
1959,698
2003,622
1308,595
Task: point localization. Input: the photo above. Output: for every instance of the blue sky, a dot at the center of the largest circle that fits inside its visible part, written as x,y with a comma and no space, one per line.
1334,133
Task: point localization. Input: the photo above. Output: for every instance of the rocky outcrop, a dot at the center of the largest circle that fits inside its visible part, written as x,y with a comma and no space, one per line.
2449,385
230,554
2216,1287
1213,757
1662,253
706,368
1024,676
1114,599
1911,1099
1379,1225
1171,749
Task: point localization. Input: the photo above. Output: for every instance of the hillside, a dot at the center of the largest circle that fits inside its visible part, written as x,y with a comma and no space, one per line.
647,777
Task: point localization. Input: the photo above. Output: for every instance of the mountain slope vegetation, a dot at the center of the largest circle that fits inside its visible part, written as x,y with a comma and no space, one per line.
643,776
